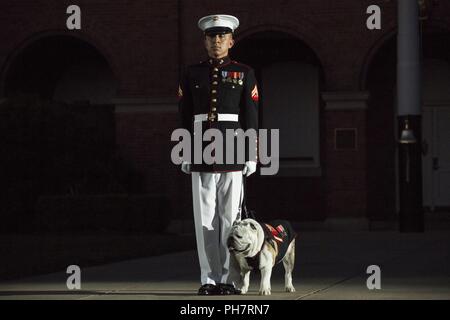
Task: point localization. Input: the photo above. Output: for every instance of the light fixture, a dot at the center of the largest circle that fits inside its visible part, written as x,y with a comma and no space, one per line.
425,8
407,135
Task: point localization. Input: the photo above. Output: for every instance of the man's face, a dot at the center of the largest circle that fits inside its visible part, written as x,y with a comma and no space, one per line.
218,45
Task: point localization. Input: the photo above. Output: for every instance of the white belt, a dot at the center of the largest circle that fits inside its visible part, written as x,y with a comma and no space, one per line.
220,117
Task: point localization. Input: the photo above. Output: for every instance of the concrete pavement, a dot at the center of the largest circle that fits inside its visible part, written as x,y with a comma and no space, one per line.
330,265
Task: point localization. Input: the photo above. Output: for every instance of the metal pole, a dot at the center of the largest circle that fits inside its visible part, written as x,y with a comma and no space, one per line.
409,111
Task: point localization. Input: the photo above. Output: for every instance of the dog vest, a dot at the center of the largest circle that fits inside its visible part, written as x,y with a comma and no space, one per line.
276,231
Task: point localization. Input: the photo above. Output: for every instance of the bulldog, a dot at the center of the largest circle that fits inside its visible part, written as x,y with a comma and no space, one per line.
255,245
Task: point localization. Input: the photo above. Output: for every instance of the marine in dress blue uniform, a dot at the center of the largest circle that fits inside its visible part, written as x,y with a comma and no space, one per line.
218,93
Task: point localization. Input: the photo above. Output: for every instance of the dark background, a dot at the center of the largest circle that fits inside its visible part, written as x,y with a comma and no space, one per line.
86,117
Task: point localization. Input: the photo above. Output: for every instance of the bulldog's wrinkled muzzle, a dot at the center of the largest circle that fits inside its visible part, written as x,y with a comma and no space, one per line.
231,245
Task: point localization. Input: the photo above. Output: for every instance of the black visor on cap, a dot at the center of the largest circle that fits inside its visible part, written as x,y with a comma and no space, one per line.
217,30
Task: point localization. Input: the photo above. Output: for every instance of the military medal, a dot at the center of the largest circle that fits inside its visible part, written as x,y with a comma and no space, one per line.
234,77
241,76
224,76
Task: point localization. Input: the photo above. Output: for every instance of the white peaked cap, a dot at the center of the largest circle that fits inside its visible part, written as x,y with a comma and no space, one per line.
218,21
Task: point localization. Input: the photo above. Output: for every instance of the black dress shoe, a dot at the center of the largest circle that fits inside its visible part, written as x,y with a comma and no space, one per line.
228,289
208,290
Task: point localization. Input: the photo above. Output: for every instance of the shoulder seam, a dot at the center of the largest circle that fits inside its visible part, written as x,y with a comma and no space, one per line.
241,64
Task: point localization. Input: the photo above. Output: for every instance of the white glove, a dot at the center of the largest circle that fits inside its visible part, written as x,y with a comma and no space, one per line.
186,167
250,168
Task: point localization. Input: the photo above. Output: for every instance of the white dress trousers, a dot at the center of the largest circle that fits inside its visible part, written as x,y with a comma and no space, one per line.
217,199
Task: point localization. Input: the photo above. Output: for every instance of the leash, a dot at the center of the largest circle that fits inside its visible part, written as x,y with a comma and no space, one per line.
245,212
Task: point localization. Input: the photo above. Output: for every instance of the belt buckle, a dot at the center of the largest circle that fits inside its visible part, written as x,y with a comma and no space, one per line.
212,116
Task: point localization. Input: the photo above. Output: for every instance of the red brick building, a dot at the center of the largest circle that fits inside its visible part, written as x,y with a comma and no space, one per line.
326,80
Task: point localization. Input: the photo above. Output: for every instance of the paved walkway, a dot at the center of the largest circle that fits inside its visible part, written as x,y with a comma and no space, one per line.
330,265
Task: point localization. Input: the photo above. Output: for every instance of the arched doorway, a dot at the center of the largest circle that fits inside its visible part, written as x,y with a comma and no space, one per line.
290,78
58,125
382,126
63,68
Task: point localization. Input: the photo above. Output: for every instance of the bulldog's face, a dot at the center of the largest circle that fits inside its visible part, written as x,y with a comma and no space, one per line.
246,238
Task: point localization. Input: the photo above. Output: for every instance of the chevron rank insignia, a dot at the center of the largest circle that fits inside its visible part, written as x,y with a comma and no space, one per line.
255,96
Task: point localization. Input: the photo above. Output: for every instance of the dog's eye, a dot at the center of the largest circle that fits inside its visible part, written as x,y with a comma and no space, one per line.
253,226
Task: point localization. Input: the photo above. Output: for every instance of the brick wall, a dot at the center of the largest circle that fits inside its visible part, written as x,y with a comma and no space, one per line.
346,169
141,42
138,38
144,139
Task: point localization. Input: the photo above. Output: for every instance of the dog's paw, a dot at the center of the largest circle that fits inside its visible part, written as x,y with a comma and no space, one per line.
244,290
264,292
290,289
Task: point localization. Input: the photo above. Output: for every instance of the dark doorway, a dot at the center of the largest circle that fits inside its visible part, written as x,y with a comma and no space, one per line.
62,68
290,79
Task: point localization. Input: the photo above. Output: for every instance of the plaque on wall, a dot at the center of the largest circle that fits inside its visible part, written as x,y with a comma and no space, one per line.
345,138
